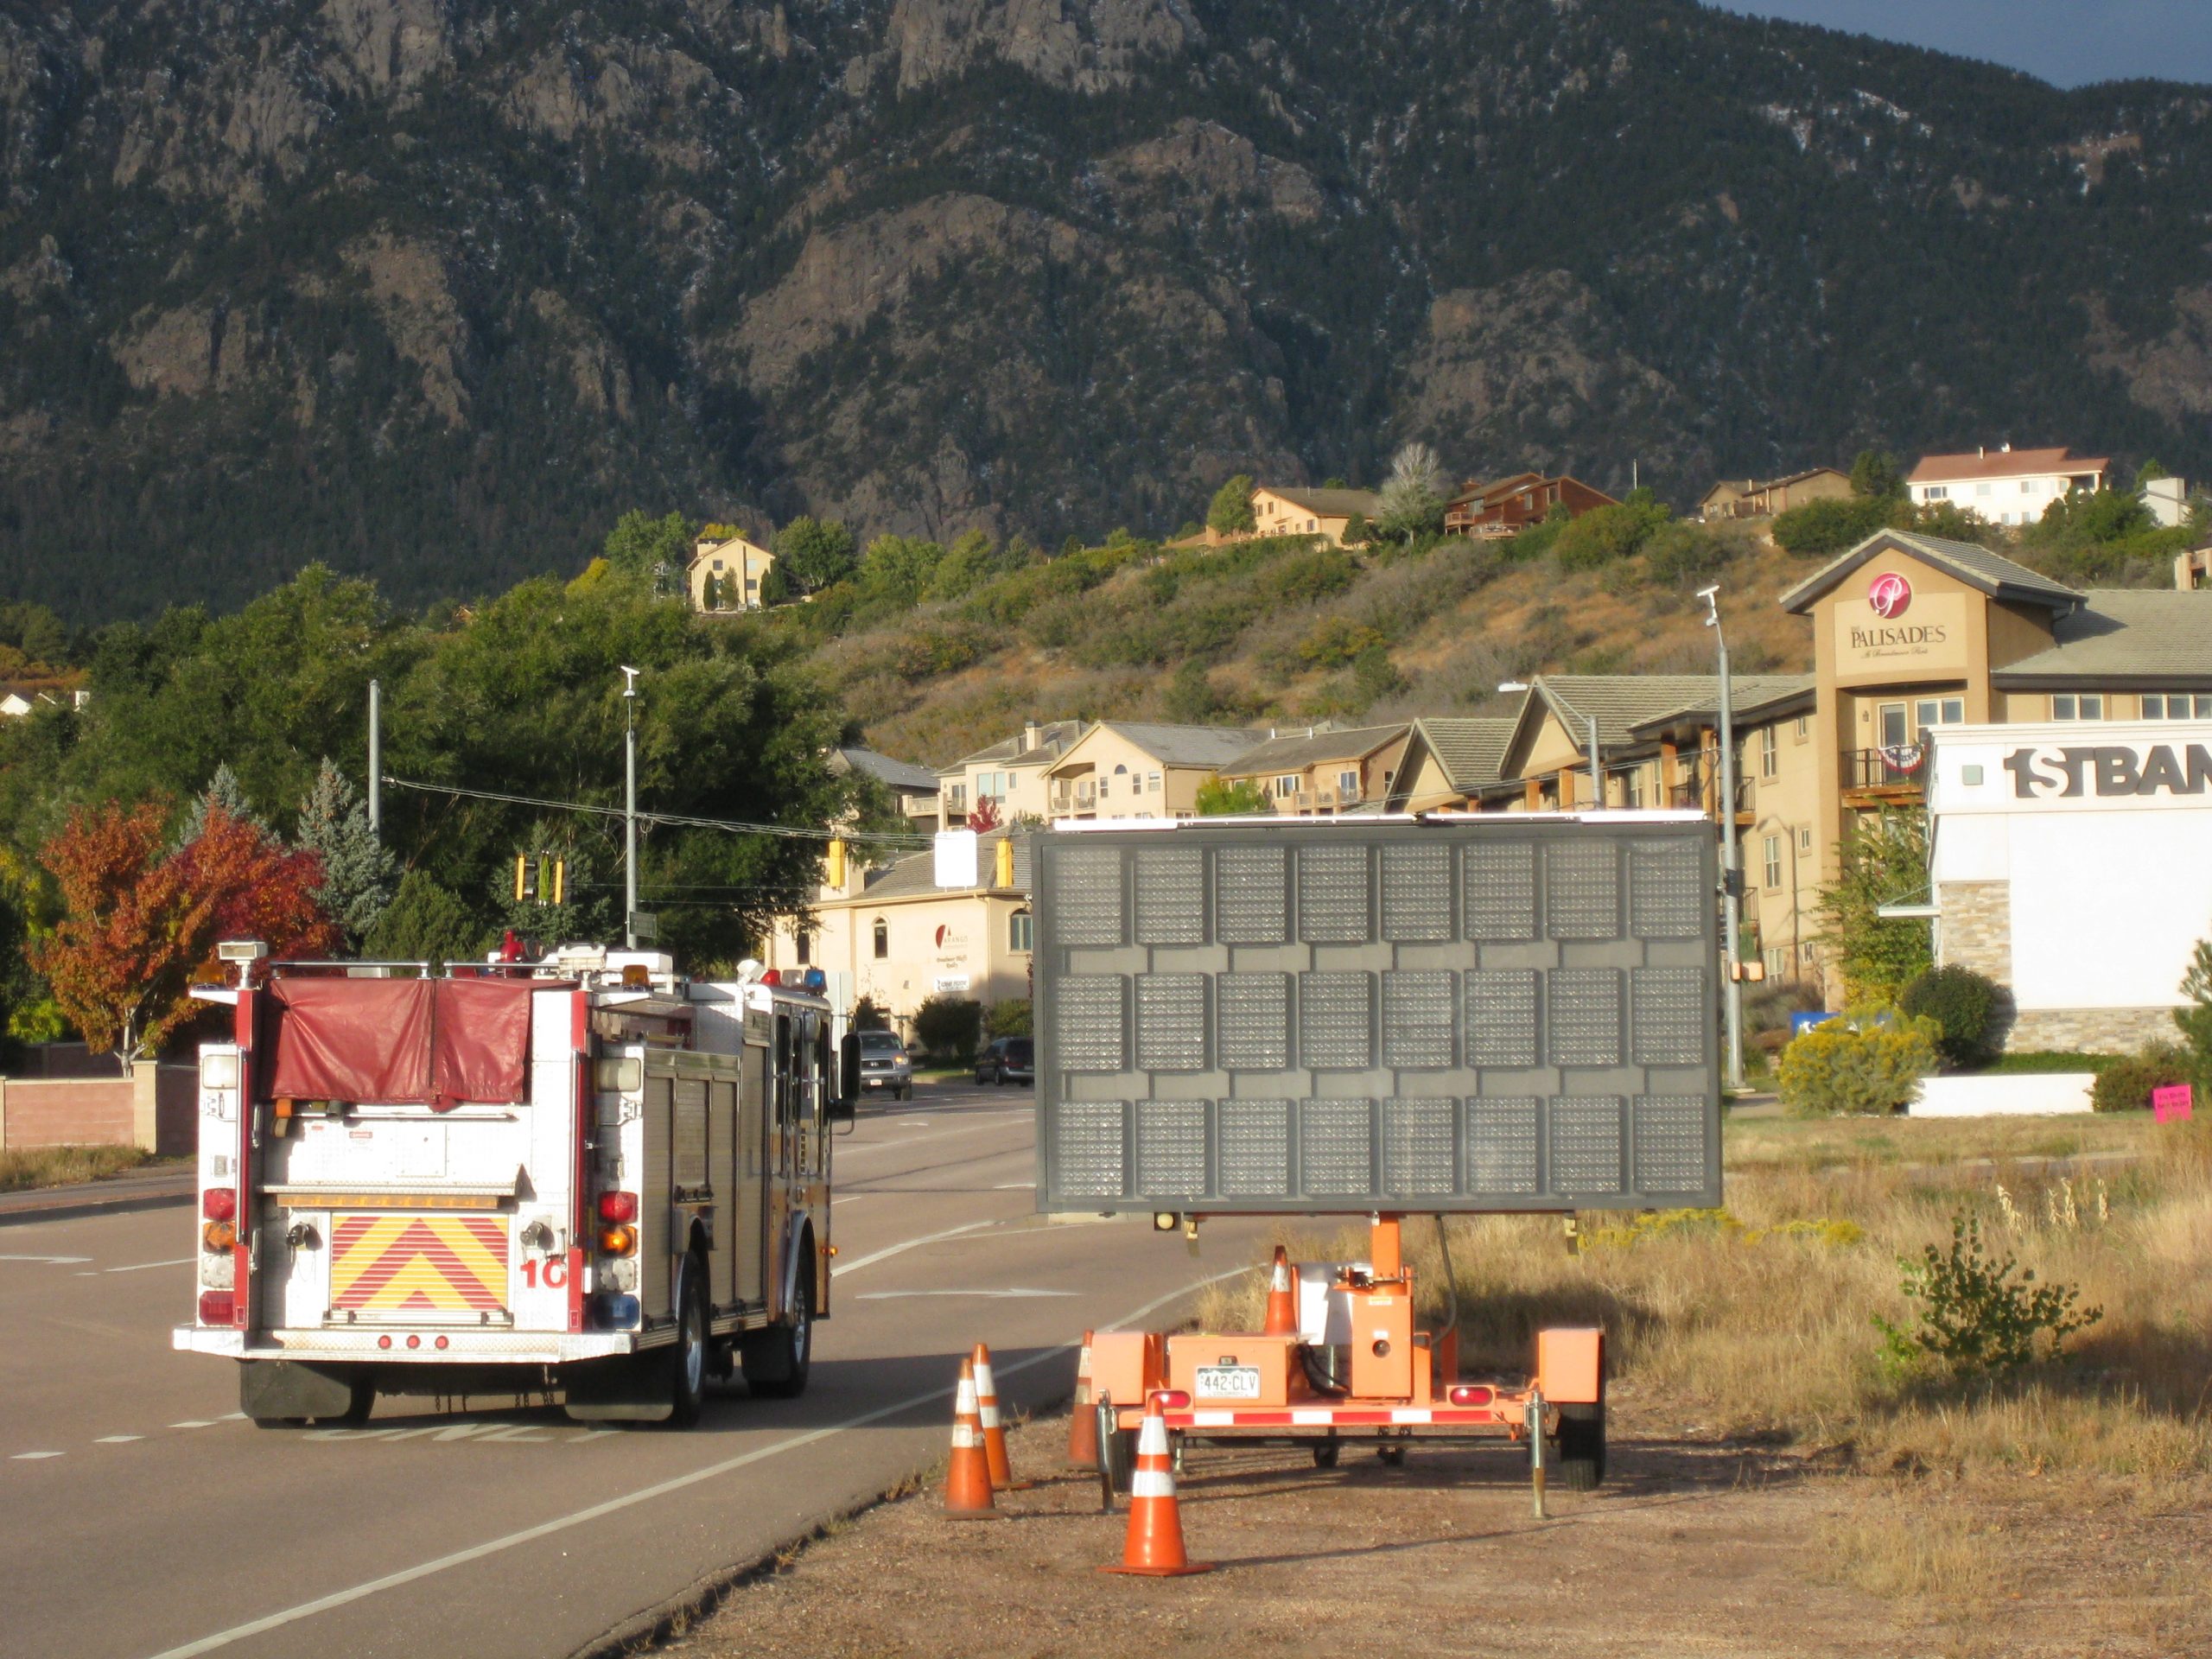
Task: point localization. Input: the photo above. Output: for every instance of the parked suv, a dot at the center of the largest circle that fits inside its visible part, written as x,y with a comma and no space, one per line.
885,1068
1009,1059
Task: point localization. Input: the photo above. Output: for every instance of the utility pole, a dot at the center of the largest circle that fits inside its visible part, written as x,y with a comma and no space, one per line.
630,807
376,760
1597,770
1731,880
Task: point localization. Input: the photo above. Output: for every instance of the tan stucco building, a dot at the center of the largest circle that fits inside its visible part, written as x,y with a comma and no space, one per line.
1131,769
1316,772
1280,511
727,575
1010,774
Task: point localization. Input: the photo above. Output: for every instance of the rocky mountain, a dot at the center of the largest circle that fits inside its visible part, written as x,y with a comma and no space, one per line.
433,289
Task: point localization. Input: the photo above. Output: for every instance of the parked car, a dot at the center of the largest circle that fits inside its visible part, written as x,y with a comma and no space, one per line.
885,1068
1009,1059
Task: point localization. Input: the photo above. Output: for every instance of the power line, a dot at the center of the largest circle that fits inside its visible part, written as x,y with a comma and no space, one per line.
676,819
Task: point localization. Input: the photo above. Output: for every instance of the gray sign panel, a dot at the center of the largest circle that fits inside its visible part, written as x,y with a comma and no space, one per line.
1517,1013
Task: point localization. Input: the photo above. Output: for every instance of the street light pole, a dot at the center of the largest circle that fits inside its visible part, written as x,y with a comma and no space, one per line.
376,760
630,807
1731,988
1597,771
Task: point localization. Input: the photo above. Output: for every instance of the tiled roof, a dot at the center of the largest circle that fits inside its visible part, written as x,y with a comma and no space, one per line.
1182,745
1310,748
1054,738
1621,702
2125,634
1469,749
1754,694
1328,504
897,774
1753,486
2002,463
1976,565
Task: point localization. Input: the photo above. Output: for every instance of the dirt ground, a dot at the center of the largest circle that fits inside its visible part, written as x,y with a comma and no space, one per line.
1695,1546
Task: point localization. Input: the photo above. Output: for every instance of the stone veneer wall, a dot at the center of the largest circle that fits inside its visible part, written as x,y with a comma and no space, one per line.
1977,933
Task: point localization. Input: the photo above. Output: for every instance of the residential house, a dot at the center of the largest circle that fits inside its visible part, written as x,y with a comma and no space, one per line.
2004,485
1317,772
914,788
1010,773
19,702
1127,769
1449,763
726,574
1763,499
1510,505
1287,511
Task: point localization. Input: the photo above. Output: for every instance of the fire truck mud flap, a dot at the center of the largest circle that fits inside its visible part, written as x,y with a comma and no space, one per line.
618,1391
286,1391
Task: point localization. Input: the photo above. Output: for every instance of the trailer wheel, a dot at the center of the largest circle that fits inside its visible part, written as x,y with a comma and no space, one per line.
1581,1446
688,1363
777,1360
1325,1452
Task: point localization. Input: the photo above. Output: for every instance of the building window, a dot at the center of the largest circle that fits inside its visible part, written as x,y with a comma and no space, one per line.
1770,752
1773,861
1939,492
1777,961
882,940
803,946
1633,788
956,800
1105,786
1982,489
1805,838
2176,705
1287,786
1154,783
2078,705
2027,486
1348,784
1020,931
1804,727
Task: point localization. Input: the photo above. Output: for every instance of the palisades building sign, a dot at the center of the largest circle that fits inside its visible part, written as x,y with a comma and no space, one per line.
1896,629
2068,862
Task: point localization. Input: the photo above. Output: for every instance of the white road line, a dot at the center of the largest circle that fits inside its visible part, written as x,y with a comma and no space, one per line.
890,1251
1014,1186
141,1267
50,1260
32,1457
644,1494
895,1295
195,1422
117,1439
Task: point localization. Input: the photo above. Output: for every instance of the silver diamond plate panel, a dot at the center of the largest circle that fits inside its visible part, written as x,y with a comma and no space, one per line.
1170,895
1335,1154
1335,1028
1171,1022
1088,1150
1417,1019
1255,1150
1252,1015
1251,895
1089,896
1500,1145
1586,1145
1667,1016
1333,895
1582,899
1669,1143
1584,1016
1502,1017
1088,1023
1498,890
1417,894
1667,897
1172,1147
1417,1147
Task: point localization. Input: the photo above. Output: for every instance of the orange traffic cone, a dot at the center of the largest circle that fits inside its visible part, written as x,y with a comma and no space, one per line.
1082,1423
987,1397
968,1478
1282,1299
1154,1546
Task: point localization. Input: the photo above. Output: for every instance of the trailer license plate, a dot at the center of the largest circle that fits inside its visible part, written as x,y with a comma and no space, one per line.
1228,1382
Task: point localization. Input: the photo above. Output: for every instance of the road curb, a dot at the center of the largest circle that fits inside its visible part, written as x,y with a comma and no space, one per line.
122,1204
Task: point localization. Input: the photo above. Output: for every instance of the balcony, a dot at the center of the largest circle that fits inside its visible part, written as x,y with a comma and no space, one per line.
1898,774
1698,780
1073,803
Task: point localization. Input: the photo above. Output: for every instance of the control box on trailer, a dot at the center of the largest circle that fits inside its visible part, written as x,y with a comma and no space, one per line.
1473,1012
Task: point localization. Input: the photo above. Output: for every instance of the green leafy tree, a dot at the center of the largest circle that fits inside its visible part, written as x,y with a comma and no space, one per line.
1220,799
1607,535
1882,861
2149,473
1964,1006
640,543
2196,1019
947,1027
1010,1017
1357,531
1875,475
815,552
425,922
1190,699
357,869
1829,525
775,587
1230,512
896,570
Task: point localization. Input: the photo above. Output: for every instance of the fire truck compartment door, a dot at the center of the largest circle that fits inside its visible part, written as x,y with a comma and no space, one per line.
749,1225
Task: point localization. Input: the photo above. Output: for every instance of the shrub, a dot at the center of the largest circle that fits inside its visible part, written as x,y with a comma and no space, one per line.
1867,1065
947,1027
2195,1020
1305,577
1963,1004
2125,1084
1832,524
1607,534
868,1015
1975,1316
1009,1019
1335,640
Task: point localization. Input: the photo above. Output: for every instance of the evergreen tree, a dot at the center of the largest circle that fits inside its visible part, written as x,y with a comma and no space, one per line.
224,791
1230,512
357,869
423,923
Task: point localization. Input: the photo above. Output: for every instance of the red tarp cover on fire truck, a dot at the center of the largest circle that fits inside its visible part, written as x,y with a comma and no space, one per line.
431,1042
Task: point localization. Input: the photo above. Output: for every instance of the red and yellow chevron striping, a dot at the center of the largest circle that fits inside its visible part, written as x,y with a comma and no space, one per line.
397,1264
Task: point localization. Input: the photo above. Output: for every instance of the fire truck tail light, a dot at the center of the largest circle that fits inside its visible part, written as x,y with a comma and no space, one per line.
618,1206
220,1072
220,1203
618,1311
1172,1399
617,1241
216,1307
1472,1394
218,1236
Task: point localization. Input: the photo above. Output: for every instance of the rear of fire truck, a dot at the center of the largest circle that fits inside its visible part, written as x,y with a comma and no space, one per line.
589,1176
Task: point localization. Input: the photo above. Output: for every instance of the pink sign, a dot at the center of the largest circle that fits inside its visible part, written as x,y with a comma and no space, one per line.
1888,594
2171,1103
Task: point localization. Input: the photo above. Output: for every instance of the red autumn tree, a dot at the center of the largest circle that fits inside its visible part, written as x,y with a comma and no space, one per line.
985,815
137,922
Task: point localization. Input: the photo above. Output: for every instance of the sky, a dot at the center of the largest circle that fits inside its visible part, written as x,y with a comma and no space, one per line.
2068,42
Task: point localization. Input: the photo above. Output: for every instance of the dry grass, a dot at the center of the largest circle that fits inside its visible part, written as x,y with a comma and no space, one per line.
1844,1142
1759,1320
59,1165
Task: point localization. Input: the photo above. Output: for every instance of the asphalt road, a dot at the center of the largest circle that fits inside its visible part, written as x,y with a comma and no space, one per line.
140,1516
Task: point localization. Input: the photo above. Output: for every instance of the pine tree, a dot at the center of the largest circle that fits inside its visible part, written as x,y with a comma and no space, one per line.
225,790
357,869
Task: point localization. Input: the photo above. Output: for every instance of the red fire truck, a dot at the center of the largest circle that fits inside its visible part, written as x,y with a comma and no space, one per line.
588,1174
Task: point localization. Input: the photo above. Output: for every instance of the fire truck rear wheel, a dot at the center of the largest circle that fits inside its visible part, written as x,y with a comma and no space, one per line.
777,1360
688,1363
1580,1447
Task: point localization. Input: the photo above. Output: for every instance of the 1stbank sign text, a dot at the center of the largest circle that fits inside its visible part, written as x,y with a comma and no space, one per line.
2110,769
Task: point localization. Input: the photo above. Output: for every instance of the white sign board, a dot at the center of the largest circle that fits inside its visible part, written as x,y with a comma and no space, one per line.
956,858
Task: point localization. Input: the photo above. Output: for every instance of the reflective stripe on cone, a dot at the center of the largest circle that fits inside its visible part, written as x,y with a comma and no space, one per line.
967,1477
1154,1546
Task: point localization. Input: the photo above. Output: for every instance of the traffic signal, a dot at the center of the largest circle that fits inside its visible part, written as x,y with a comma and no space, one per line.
540,878
836,871
525,877
553,880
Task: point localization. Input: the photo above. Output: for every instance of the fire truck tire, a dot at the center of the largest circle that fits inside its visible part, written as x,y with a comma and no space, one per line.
688,1363
777,1360
1327,1452
1581,1447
